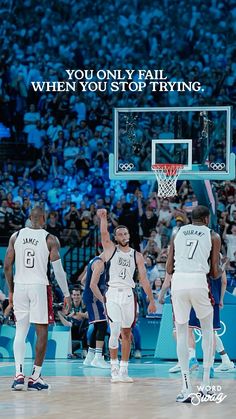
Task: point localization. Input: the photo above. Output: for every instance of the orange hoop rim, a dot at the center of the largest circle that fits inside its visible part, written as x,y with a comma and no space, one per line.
168,167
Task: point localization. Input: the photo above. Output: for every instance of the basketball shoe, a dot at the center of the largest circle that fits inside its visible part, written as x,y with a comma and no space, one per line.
225,367
18,383
99,362
38,384
89,358
115,376
193,364
137,354
184,396
123,376
174,369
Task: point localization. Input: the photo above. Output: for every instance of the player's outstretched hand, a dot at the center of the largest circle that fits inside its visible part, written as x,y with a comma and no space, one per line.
67,305
152,307
102,213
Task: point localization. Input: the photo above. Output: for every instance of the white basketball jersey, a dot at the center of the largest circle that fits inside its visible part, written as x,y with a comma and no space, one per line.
31,257
192,249
121,268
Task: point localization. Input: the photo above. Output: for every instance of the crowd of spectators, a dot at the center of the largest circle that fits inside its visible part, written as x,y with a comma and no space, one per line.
70,135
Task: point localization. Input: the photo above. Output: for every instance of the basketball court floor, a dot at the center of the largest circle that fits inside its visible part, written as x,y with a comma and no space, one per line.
86,393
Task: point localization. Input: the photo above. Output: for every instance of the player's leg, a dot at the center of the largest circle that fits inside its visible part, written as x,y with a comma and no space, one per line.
183,357
115,330
193,324
36,382
204,311
207,346
21,311
182,307
137,341
175,368
113,312
226,365
39,316
97,316
98,361
193,362
91,333
125,354
40,348
126,343
128,312
91,338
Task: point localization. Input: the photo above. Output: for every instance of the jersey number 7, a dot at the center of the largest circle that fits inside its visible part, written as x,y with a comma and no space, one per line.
193,245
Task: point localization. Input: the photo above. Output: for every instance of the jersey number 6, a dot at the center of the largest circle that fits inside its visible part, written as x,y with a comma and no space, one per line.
29,258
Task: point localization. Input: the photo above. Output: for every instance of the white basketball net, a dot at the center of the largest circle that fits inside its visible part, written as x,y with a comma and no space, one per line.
167,176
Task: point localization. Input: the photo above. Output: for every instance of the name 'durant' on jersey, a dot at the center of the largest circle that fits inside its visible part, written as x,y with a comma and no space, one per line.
195,232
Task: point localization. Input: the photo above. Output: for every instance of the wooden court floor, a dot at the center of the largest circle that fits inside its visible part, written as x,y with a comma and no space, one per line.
90,395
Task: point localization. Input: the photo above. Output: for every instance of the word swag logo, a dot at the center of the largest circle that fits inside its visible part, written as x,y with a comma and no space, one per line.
207,394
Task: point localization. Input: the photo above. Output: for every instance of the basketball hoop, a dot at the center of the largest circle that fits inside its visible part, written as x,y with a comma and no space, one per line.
167,175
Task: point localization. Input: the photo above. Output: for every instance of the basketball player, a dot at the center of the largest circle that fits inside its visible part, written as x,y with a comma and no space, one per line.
193,363
30,249
93,299
188,256
122,262
218,288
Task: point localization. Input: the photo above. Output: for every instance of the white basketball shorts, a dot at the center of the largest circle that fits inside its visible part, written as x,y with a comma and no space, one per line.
184,300
31,300
120,306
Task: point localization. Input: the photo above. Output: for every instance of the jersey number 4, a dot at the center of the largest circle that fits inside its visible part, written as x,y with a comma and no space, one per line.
29,258
122,273
193,245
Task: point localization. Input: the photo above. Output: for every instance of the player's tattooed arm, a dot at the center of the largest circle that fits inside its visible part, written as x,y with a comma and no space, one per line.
8,266
170,258
53,247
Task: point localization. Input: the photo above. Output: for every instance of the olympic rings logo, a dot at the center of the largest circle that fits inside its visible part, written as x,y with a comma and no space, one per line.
126,166
198,334
221,332
217,166
223,329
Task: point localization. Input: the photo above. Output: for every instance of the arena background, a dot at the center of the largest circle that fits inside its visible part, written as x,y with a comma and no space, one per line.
55,146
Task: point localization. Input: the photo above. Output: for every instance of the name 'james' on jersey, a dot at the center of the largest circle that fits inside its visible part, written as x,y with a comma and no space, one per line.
121,268
192,249
31,256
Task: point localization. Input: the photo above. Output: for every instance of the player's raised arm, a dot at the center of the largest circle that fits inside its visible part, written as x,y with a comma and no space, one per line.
215,270
144,282
55,258
107,244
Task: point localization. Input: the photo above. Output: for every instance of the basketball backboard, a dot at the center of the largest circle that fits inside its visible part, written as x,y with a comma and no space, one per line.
197,137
